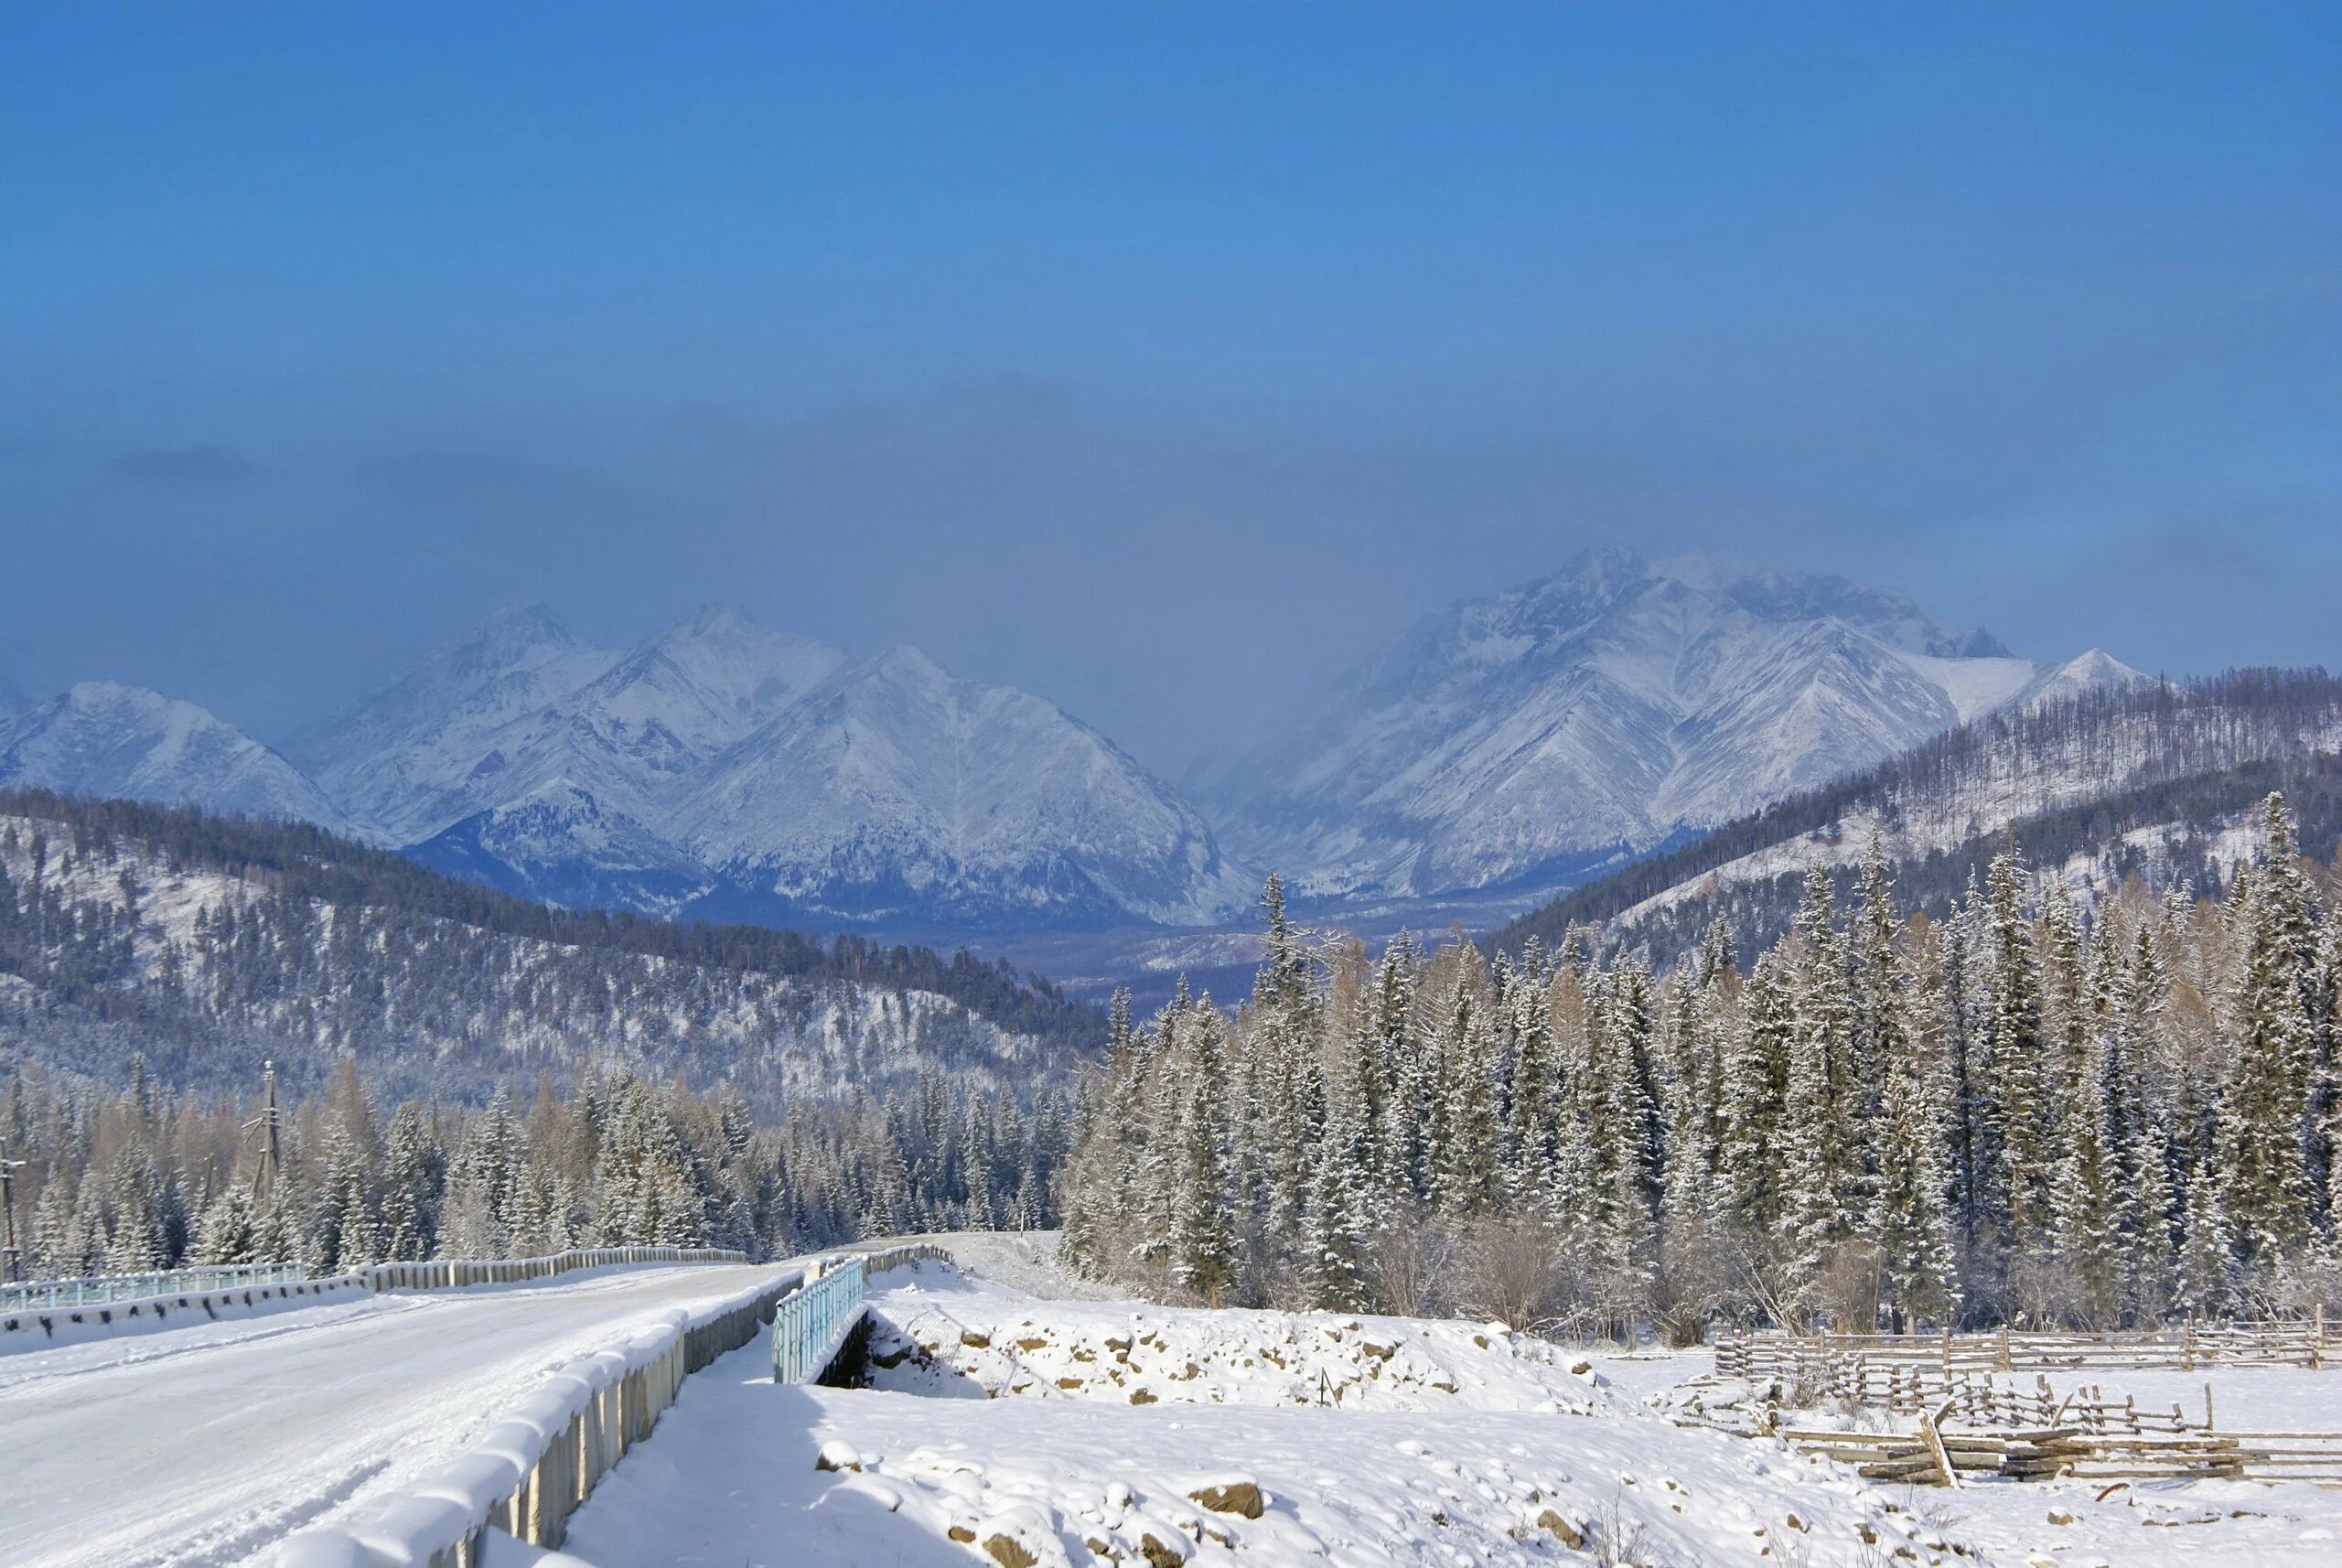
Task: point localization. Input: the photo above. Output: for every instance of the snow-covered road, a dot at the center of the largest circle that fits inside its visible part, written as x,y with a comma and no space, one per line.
203,1446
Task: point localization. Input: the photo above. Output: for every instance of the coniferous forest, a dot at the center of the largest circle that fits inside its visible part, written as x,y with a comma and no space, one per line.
146,1178
2041,1109
2099,1108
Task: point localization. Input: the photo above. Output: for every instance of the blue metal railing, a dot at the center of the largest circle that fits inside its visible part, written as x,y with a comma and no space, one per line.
44,1295
811,1322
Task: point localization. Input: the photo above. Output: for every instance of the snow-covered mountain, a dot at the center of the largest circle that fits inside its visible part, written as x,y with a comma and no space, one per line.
896,790
432,747
720,768
1518,740
100,739
723,767
2092,779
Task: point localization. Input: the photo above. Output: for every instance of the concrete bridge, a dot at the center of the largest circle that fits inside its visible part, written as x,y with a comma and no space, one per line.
379,1429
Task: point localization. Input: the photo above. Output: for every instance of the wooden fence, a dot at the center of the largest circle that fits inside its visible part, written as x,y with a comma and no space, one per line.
2183,1348
1971,1418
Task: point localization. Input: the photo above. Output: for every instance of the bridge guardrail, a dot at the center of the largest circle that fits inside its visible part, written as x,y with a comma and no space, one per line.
537,1464
453,1274
104,1290
810,1325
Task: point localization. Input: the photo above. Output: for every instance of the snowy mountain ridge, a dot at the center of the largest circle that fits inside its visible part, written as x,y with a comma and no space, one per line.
718,768
1607,708
103,739
2100,779
1506,745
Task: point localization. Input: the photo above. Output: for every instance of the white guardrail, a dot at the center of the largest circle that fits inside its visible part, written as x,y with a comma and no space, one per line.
104,1290
535,1466
64,1310
453,1274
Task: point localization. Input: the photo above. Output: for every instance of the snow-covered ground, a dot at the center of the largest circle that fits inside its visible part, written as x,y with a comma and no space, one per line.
203,1446
1010,1431
945,1335
1031,1431
1451,1443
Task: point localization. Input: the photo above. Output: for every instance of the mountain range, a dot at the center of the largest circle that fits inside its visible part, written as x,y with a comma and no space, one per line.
1514,743
1594,714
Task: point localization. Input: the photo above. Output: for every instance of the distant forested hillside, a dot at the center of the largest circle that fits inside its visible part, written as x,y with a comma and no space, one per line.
210,944
2159,781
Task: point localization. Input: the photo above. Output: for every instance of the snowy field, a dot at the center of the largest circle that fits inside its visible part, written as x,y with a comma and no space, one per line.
1027,1426
1056,1433
198,1447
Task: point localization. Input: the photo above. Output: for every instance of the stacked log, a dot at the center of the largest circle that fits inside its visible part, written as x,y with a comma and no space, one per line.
2118,1457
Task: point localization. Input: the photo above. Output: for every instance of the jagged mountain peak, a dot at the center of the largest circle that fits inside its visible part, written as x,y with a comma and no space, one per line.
2093,671
105,738
427,749
1597,711
518,637
717,618
908,666
898,791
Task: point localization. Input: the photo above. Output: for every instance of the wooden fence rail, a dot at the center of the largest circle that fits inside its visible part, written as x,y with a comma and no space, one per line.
2183,1348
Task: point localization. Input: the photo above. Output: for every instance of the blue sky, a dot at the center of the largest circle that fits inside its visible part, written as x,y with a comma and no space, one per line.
1162,359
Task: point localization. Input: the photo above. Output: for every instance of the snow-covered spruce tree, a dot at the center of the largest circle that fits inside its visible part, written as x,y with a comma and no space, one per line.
1339,1225
1463,1104
135,1243
227,1231
2135,987
1623,1135
477,1222
1909,1219
412,1168
2260,1157
1398,1113
1752,1097
1533,1099
1693,1281
345,1230
1204,1245
2012,1102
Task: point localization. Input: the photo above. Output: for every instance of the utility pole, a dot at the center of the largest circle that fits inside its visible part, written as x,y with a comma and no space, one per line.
268,1123
11,1255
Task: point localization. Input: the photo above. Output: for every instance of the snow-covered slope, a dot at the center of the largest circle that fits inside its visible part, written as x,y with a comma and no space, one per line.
2095,772
721,766
175,949
1618,702
432,748
100,739
895,790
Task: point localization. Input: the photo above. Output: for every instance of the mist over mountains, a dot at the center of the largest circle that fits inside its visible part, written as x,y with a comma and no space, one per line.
721,769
